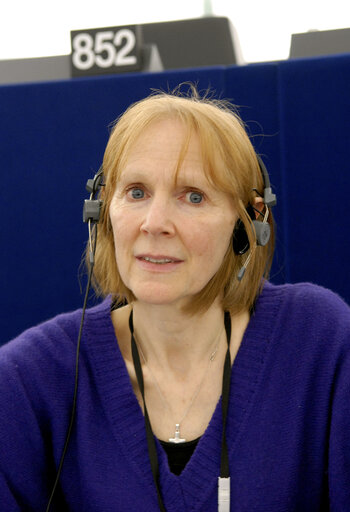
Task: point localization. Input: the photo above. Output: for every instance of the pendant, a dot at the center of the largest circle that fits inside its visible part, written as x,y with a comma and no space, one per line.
177,439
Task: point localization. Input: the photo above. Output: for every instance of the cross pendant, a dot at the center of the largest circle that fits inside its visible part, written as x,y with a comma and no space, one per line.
177,438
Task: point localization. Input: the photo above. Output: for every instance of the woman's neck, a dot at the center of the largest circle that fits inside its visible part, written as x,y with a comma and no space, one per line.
182,360
173,339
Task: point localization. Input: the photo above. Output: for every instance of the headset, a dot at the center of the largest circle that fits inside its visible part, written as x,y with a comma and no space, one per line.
92,209
262,230
240,244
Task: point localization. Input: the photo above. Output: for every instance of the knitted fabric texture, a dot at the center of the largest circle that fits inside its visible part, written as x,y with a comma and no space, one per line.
288,426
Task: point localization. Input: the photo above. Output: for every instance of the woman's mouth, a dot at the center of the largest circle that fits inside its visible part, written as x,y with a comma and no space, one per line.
158,262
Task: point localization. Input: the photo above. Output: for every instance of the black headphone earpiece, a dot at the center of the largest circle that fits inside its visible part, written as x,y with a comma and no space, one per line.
240,240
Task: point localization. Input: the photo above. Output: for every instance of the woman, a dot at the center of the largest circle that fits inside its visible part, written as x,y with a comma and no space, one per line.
184,206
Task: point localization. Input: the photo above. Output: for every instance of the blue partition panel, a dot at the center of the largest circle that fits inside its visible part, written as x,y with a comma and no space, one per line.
53,137
315,141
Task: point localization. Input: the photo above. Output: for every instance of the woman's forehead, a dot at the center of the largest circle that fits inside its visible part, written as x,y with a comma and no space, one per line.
173,134
166,142
180,148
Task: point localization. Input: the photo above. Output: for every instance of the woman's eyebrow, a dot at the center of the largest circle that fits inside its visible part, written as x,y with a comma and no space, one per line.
132,175
193,179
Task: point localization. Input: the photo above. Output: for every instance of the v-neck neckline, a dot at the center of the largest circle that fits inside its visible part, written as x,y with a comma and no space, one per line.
199,477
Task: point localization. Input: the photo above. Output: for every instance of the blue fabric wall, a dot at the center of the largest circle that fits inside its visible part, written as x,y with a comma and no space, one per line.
315,169
53,137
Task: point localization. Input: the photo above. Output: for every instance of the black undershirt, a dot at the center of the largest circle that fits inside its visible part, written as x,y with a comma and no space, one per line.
179,454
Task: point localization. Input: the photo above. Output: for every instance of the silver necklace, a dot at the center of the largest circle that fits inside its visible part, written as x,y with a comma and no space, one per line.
177,437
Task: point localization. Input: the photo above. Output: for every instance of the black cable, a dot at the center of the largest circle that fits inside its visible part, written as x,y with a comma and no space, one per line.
71,422
257,211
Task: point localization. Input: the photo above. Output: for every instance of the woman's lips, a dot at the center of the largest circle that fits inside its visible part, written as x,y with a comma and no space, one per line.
158,262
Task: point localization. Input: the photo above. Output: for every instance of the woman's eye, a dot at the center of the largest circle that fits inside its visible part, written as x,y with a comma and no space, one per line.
194,197
136,193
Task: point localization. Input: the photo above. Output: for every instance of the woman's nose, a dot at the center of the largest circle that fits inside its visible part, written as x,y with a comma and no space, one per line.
157,218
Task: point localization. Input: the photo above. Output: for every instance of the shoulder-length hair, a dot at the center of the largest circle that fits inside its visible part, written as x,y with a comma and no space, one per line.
223,139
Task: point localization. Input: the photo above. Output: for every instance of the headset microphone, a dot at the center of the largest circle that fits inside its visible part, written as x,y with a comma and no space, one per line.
244,268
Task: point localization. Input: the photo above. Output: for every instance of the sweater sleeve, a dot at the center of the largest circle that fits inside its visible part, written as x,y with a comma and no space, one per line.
339,444
33,413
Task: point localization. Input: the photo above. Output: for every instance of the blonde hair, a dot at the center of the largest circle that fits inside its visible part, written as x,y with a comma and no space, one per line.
221,134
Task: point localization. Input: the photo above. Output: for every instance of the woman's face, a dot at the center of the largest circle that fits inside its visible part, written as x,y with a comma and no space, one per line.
170,235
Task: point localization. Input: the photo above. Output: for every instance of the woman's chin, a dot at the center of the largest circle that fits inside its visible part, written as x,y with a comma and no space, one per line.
157,300
159,295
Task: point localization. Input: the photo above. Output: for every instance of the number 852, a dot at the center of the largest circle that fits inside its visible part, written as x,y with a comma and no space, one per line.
103,51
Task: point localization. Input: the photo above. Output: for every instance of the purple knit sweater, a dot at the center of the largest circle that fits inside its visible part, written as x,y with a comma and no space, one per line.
288,423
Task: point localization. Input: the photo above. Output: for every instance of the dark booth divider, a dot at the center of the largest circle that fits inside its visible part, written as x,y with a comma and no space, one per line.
52,140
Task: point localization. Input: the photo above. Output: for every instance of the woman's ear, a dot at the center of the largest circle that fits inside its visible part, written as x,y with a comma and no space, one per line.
259,205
